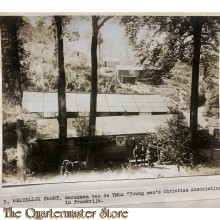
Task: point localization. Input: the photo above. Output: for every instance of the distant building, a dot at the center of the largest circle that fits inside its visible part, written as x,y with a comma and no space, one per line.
77,59
78,104
108,65
128,73
110,62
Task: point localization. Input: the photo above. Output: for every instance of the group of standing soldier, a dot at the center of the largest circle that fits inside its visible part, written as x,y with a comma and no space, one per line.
144,154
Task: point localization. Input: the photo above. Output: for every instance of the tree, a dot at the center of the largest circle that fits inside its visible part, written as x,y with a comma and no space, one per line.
197,23
14,72
61,23
97,23
183,38
100,42
62,114
176,140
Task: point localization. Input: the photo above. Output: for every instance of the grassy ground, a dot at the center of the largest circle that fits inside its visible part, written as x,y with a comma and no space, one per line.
135,172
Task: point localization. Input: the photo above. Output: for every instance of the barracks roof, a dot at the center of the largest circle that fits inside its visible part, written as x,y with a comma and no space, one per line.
112,125
40,102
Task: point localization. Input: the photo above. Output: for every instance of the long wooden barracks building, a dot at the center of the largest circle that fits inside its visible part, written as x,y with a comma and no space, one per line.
118,115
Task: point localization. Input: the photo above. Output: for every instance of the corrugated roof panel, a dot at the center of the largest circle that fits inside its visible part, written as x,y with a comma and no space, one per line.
102,108
103,126
145,109
131,109
144,104
112,125
111,98
50,102
101,97
102,104
129,104
82,97
83,102
116,109
140,97
114,101
160,109
126,98
71,104
47,102
157,104
83,107
33,101
155,98
129,124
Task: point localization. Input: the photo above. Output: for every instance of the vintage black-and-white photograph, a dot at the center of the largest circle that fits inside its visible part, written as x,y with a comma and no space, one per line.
90,98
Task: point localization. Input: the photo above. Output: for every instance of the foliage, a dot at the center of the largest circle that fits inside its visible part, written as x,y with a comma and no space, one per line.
82,126
108,84
176,141
9,160
68,32
15,57
159,42
212,105
79,81
36,159
205,140
11,114
43,63
154,77
9,135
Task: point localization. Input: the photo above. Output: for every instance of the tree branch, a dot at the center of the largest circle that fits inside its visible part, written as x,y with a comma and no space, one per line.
104,20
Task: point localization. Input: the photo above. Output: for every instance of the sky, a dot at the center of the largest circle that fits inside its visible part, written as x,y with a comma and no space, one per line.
115,43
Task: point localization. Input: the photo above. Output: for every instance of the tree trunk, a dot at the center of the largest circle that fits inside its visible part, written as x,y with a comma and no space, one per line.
12,78
11,68
93,100
21,151
197,29
17,67
62,115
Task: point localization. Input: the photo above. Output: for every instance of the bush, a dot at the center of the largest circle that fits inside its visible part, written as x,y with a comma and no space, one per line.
205,140
37,159
10,160
82,126
9,135
212,105
176,142
181,79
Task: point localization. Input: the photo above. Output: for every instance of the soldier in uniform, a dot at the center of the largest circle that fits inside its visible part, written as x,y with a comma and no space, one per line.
143,155
149,158
136,154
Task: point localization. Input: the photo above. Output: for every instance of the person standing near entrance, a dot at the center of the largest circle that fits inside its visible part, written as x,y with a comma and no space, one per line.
149,158
143,155
136,154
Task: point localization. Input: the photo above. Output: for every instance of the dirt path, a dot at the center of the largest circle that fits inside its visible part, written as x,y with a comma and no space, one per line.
136,172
